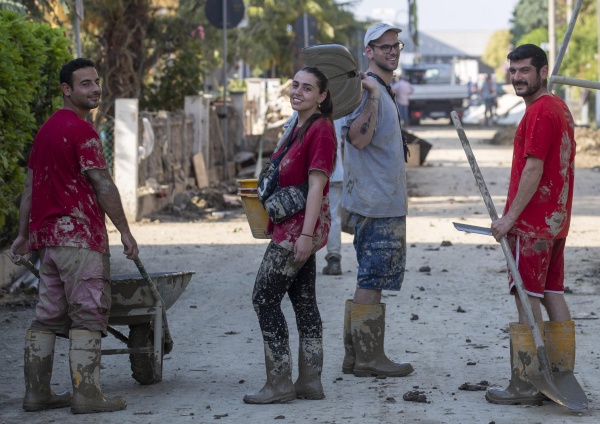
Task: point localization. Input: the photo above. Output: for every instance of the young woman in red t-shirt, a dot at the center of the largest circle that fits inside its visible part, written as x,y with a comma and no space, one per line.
289,264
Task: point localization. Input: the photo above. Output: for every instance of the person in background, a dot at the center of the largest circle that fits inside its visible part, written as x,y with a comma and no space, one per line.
488,95
68,191
536,222
403,90
334,240
375,193
289,264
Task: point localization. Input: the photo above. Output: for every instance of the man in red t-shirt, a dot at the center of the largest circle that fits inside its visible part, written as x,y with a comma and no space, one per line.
68,191
536,222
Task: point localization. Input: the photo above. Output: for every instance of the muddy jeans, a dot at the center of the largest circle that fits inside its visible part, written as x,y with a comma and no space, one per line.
278,275
380,245
74,290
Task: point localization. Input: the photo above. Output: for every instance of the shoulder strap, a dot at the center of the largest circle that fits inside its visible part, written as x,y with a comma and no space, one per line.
286,147
393,96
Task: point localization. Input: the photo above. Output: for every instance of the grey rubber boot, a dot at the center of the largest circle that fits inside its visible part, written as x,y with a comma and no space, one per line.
368,334
523,360
84,357
349,355
279,387
334,265
310,366
39,358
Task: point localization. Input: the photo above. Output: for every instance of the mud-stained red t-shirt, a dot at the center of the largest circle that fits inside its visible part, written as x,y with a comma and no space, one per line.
547,133
64,208
316,151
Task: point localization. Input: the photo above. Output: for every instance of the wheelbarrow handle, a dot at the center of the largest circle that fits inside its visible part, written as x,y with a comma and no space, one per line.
142,269
158,298
27,264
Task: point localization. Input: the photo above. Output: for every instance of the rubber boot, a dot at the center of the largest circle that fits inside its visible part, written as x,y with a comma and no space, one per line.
334,265
368,334
523,361
279,387
559,340
39,358
350,355
310,365
84,357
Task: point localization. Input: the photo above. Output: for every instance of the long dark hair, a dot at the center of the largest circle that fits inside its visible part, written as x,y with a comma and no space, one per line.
326,106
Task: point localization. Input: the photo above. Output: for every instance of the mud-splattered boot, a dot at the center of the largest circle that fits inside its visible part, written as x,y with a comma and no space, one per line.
349,355
39,358
310,365
334,265
368,334
559,340
279,387
523,360
84,357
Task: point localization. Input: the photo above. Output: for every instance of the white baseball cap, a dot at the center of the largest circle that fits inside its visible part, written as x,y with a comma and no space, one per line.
377,30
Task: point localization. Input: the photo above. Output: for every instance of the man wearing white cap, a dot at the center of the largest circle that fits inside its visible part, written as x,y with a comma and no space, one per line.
375,193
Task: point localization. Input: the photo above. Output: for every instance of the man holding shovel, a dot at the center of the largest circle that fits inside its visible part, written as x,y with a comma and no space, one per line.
67,193
536,222
375,194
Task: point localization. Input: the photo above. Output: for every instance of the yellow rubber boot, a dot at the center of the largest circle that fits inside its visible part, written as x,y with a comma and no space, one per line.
368,335
310,367
523,360
84,358
279,387
559,339
38,361
349,355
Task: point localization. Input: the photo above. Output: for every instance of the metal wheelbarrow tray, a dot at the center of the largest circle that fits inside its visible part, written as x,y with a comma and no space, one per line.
140,301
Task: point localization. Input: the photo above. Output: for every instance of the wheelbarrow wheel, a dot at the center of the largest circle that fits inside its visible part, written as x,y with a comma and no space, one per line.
142,364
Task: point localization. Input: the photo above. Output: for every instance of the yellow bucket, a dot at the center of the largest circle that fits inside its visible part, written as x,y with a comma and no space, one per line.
255,213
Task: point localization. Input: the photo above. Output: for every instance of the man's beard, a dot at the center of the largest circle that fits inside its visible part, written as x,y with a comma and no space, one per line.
531,89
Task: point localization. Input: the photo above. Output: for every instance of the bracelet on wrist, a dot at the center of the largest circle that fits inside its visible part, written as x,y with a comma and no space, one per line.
307,235
373,98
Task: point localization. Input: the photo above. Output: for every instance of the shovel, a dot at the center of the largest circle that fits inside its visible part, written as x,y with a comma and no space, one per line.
561,387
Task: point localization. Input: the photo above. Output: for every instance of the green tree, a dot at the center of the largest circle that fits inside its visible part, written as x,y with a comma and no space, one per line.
527,16
268,40
31,55
495,52
144,48
580,59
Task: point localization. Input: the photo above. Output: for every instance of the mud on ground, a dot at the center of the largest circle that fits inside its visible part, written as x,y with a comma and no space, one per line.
449,320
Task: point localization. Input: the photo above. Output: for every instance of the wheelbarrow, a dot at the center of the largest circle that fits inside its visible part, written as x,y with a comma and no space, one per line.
140,301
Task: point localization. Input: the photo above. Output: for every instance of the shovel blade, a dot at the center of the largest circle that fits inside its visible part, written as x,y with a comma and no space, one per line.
562,388
486,231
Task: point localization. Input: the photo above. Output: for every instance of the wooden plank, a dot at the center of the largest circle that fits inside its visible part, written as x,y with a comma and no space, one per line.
200,170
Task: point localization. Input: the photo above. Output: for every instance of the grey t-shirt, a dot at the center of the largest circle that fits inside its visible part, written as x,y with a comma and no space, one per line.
375,177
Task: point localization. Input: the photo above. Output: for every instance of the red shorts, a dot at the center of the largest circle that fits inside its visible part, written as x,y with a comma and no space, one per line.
541,264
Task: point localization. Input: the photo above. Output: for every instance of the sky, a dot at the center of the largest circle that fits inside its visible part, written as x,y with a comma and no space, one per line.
443,14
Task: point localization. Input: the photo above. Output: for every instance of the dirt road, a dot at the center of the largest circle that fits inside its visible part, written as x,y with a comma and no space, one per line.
450,319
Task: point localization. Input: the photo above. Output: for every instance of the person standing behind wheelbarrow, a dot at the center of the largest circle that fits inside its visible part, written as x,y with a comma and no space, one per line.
375,194
536,222
67,193
289,264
